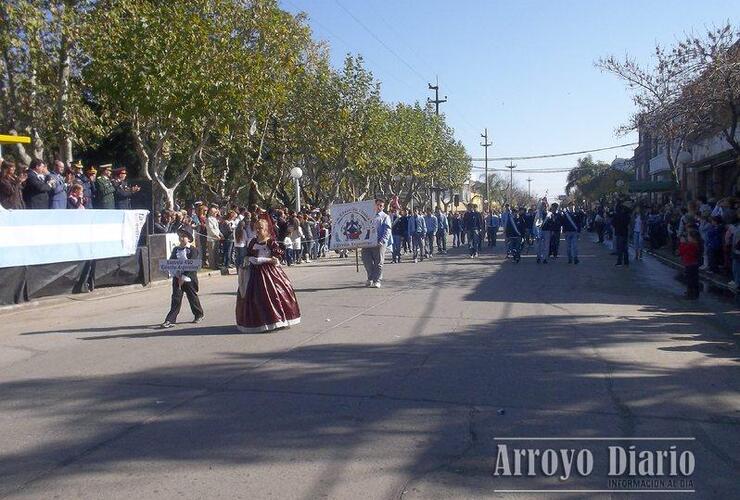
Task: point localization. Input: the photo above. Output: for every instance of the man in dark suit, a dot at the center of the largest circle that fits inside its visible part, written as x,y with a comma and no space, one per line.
36,190
184,282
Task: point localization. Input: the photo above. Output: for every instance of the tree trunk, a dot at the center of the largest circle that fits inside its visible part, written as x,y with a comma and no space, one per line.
65,140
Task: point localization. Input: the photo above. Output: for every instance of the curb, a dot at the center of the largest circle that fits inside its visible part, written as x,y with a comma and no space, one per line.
702,275
112,291
677,265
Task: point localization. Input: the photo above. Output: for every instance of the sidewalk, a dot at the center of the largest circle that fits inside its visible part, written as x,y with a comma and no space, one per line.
112,291
665,255
715,283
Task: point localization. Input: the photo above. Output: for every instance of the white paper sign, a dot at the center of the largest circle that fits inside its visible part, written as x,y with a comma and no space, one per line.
179,265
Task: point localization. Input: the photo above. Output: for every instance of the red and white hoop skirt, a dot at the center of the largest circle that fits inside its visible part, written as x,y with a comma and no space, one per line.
265,299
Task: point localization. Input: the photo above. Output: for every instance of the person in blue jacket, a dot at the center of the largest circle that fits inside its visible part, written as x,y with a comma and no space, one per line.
442,230
417,230
58,193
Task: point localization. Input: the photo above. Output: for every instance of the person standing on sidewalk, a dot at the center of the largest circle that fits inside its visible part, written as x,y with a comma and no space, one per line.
735,252
572,224
372,257
621,225
213,232
637,234
689,250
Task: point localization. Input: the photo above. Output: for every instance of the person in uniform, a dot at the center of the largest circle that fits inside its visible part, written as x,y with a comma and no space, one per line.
572,224
123,192
58,193
557,226
473,224
105,191
184,282
91,173
547,226
84,181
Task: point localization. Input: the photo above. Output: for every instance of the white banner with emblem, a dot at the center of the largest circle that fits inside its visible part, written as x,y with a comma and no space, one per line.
352,225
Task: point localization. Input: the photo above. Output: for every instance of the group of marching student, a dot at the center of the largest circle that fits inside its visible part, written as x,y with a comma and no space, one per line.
417,233
543,226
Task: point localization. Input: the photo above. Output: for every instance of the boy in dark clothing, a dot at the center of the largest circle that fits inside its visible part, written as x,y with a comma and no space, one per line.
621,224
184,282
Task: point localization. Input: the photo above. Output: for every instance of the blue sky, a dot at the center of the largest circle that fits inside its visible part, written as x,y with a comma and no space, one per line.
524,69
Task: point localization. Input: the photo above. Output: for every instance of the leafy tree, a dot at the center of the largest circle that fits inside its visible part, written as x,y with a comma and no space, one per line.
592,180
40,77
691,90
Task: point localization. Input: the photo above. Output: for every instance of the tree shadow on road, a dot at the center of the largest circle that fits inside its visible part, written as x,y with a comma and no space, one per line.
421,415
425,411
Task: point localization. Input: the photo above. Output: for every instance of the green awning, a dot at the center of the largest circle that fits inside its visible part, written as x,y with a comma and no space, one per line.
651,186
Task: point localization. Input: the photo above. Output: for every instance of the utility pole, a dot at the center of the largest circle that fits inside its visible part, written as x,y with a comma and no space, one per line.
511,168
529,186
437,101
485,145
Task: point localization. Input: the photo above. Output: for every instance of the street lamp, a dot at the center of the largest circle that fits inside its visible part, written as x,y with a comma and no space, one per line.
296,173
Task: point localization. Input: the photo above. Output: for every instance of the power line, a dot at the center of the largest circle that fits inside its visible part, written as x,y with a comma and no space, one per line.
394,53
555,155
350,47
540,170
380,41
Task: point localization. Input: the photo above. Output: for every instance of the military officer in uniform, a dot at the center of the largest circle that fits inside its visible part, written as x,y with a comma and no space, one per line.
123,192
105,191
84,181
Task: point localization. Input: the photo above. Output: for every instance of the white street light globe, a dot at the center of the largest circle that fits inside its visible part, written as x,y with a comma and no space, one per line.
684,158
620,183
296,172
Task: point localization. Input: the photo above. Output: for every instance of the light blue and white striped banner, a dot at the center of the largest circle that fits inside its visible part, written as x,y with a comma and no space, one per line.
30,237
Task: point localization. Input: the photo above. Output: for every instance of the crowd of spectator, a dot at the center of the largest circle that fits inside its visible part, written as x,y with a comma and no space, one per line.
223,233
713,224
64,187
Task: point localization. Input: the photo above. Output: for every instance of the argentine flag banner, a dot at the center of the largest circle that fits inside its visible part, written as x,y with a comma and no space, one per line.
30,237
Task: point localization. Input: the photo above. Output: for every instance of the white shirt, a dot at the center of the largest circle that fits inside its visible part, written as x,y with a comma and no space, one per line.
182,254
212,228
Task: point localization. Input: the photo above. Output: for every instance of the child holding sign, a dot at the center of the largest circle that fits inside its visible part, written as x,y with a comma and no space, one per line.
184,281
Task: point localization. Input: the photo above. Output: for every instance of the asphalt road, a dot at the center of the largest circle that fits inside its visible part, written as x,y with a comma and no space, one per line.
402,392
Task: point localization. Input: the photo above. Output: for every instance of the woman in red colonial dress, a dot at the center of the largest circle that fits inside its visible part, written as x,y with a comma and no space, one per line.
265,300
